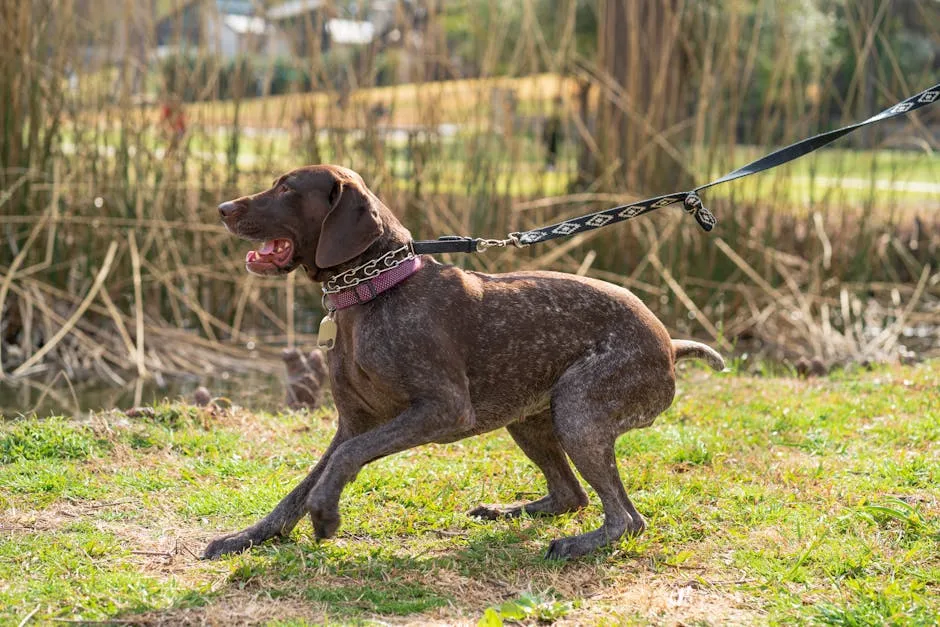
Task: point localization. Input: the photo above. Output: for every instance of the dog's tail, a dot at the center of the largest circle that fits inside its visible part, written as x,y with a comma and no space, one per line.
687,349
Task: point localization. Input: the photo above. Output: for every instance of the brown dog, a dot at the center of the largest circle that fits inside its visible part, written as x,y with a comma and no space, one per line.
565,363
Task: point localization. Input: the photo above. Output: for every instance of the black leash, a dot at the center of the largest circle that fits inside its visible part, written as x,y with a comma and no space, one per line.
691,201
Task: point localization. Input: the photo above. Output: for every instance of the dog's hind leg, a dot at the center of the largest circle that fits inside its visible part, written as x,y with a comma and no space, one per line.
592,404
536,437
596,462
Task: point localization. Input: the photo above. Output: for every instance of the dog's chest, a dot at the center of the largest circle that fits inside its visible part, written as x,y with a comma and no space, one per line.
357,393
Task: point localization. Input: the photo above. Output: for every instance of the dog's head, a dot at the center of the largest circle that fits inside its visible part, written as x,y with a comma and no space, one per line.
317,216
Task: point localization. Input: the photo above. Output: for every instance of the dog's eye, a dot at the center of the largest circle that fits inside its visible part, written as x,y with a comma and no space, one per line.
284,188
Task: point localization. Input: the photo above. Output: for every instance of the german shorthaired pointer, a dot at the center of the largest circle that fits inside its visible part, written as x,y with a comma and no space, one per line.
426,352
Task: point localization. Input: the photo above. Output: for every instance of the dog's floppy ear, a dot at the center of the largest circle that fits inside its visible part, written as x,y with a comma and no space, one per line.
349,228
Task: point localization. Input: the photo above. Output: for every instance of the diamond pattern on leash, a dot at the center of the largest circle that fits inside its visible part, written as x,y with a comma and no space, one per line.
663,202
566,229
930,96
599,220
531,237
631,211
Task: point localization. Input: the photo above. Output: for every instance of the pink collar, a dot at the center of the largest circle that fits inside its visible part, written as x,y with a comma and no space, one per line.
367,290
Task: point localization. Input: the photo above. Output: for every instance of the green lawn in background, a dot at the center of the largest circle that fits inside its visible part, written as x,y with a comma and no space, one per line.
461,164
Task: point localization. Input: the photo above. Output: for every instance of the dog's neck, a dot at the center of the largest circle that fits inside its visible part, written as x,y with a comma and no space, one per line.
393,237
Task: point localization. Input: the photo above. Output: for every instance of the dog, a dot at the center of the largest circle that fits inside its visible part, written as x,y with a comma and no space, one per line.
426,352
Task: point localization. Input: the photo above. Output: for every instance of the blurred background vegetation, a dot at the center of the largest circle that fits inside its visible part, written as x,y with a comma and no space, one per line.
125,123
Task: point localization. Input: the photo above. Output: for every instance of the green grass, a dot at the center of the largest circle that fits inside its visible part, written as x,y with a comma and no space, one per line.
836,176
768,500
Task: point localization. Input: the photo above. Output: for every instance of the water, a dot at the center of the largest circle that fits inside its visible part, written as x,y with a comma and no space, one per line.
257,391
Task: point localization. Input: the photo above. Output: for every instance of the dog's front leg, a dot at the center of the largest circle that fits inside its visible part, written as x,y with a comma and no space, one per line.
282,519
423,422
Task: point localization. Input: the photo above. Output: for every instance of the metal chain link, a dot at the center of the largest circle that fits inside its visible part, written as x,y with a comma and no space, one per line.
369,270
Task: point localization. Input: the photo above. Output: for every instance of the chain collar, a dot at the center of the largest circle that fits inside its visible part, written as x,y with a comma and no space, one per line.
369,270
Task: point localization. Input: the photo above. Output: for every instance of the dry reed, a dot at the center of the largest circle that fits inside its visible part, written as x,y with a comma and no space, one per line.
112,260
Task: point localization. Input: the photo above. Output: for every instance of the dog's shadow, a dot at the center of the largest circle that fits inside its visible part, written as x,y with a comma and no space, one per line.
345,578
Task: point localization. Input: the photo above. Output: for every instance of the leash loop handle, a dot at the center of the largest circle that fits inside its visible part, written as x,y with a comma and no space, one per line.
692,204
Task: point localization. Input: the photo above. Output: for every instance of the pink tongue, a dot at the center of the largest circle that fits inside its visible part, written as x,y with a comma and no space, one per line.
268,248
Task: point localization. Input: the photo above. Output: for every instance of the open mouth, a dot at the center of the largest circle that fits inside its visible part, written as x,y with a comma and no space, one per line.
273,257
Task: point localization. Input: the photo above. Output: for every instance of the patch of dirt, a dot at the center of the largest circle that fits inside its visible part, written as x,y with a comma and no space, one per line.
780,539
667,603
679,602
57,515
238,607
162,547
15,521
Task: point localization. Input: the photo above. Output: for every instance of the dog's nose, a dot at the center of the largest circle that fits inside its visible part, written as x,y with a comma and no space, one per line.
226,209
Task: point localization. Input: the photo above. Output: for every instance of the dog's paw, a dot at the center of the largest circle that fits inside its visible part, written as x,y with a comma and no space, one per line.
636,526
568,548
325,519
324,526
226,545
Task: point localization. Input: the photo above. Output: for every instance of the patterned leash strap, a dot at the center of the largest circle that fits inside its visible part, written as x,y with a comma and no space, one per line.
690,200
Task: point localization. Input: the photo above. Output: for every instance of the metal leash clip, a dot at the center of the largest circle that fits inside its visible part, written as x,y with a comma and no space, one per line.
512,240
694,207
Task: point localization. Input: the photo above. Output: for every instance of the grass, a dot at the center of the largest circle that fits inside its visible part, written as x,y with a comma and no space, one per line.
769,500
